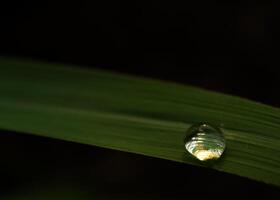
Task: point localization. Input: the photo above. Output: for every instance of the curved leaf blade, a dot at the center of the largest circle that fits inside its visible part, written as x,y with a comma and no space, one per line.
137,115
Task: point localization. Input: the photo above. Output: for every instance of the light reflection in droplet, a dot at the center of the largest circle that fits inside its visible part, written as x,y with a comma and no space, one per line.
205,142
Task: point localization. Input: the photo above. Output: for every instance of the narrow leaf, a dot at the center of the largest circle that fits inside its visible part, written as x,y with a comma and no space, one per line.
136,115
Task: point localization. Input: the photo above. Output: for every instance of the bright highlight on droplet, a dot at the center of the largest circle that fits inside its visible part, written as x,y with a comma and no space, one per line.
205,142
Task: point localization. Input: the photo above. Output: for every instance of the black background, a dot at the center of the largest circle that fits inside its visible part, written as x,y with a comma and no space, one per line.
231,48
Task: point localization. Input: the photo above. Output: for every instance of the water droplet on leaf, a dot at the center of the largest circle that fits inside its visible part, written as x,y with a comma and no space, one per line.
205,142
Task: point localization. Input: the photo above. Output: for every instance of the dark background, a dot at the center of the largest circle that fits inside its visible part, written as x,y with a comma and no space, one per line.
231,48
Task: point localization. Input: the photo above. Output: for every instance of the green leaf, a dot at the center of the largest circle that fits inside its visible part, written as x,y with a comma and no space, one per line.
136,115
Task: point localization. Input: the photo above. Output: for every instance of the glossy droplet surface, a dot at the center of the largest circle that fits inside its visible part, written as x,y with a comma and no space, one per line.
205,142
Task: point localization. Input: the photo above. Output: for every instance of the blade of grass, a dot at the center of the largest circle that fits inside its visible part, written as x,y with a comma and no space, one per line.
137,115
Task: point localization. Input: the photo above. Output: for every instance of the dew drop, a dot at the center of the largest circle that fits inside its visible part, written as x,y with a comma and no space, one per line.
205,142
